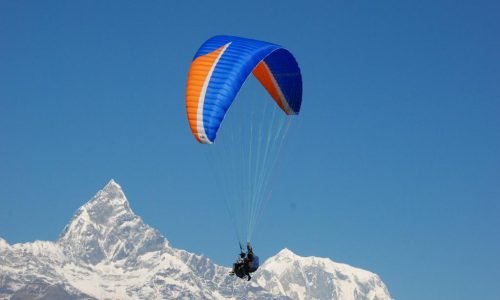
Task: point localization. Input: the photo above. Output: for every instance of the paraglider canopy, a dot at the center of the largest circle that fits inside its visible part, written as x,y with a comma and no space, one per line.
218,71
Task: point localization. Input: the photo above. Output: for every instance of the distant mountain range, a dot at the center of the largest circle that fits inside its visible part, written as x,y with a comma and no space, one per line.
107,252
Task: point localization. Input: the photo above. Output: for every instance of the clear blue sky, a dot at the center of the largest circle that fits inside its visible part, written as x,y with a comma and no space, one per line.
395,166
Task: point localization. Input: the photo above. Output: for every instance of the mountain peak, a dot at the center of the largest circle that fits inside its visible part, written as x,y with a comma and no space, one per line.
112,192
108,204
112,185
105,228
286,253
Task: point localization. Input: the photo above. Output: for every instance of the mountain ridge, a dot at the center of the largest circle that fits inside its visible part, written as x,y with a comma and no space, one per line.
107,252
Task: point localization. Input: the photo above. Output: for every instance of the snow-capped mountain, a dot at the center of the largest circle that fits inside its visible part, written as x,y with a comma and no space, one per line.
318,278
107,252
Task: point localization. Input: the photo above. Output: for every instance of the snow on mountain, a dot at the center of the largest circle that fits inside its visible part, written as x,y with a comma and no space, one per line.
318,278
106,229
3,244
107,252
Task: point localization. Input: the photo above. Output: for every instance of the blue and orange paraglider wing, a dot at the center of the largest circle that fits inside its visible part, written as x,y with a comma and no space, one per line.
218,71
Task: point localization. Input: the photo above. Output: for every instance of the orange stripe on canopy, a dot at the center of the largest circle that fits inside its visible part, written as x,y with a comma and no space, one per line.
200,68
264,75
